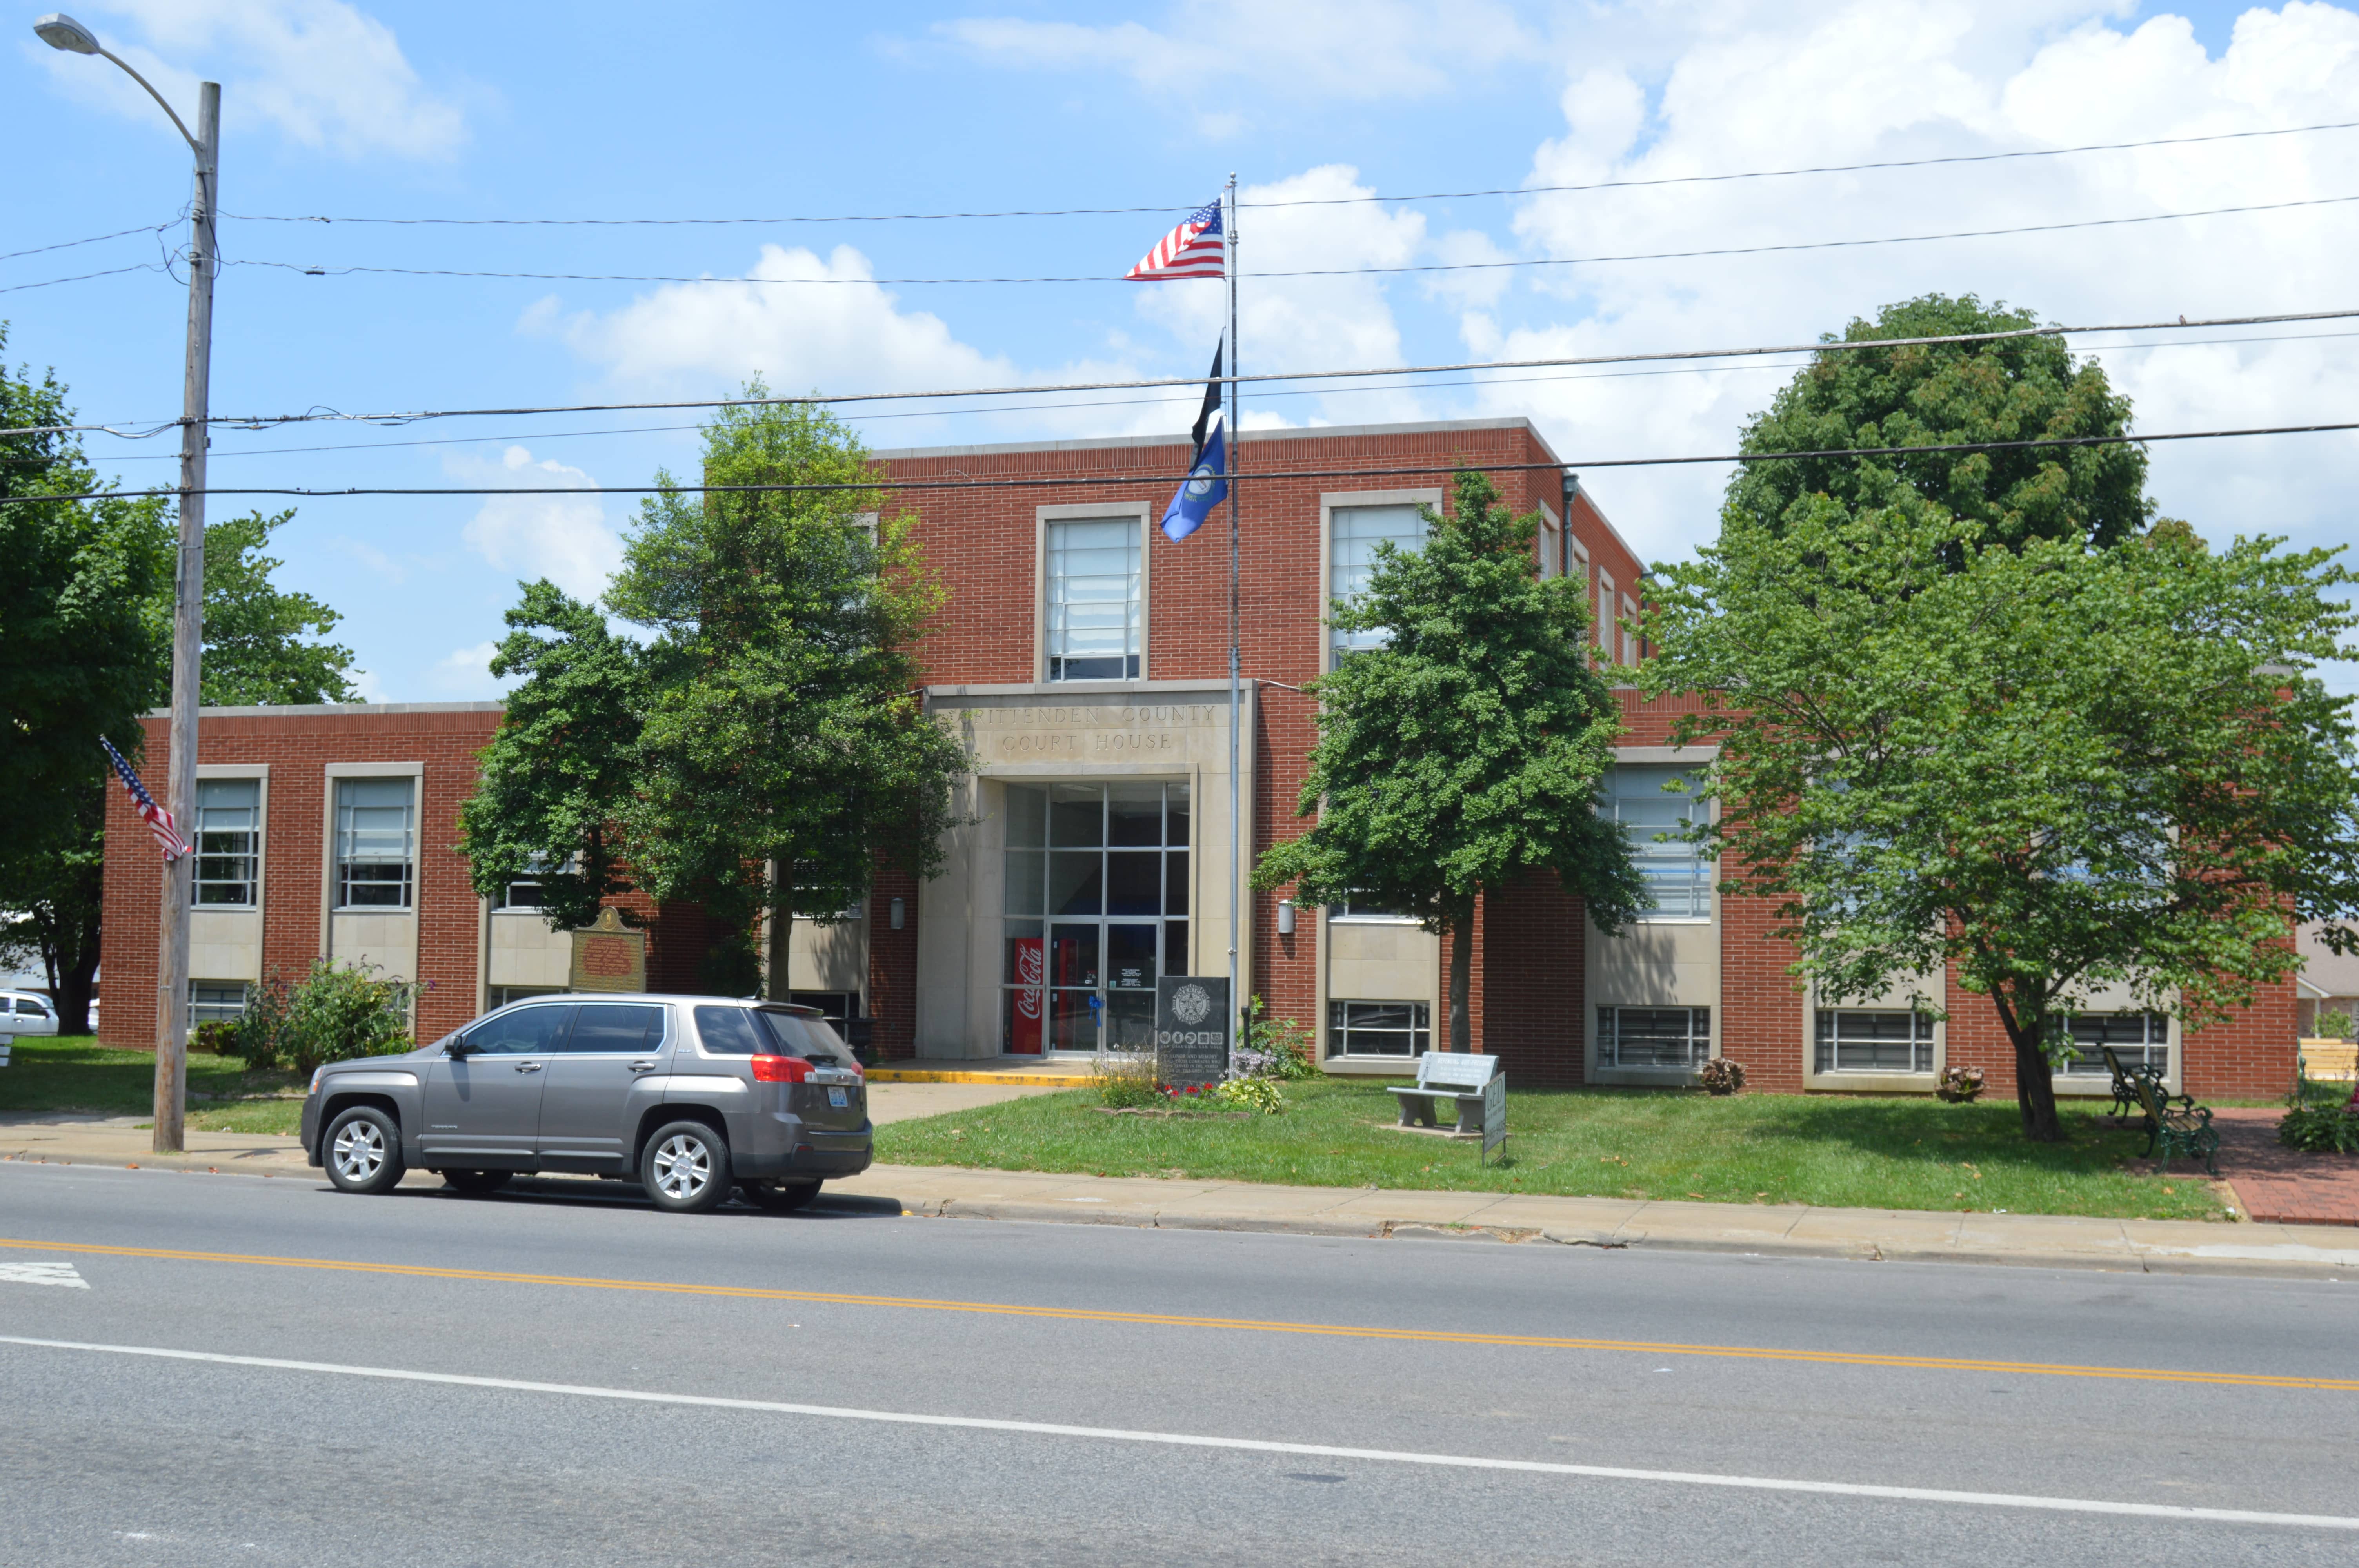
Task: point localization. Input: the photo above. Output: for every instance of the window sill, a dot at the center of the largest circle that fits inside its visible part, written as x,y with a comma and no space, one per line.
1370,1066
1911,1082
1372,919
373,909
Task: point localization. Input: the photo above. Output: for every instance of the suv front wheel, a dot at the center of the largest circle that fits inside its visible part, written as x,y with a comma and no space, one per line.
363,1151
685,1168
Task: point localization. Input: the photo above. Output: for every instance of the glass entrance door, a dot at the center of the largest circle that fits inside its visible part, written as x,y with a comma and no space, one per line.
1096,908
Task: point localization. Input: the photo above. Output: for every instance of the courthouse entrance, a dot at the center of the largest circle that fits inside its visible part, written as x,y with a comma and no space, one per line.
1096,908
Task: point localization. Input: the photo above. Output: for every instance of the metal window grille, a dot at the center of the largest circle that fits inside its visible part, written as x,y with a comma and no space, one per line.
216,1001
1353,534
2137,1038
1678,1037
1874,1040
229,832
1678,874
1096,613
374,842
1379,1027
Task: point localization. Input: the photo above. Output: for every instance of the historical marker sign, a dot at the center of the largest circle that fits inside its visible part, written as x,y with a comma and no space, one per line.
1191,1028
609,957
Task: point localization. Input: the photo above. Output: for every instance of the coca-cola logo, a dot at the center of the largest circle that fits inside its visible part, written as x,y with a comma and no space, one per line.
1031,967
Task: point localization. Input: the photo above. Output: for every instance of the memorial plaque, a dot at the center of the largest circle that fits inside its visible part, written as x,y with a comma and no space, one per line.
1191,1028
609,957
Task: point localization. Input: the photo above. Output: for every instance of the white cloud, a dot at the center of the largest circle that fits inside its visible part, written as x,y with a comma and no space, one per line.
324,73
1757,86
1353,50
466,672
565,538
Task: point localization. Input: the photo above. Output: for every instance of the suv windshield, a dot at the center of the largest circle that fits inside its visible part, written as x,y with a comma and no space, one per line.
734,1031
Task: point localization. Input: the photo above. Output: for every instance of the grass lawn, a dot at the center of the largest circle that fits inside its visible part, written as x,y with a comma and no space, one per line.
1838,1151
74,1073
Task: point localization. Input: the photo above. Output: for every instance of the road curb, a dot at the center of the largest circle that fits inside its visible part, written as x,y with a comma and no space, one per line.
1855,1251
264,1163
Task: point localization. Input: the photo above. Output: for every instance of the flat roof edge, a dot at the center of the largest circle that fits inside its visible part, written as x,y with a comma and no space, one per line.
329,709
1120,443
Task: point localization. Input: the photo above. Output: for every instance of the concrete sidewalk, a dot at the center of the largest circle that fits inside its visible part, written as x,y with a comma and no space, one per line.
2150,1246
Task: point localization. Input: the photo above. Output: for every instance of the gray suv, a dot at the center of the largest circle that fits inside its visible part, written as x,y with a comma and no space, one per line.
692,1097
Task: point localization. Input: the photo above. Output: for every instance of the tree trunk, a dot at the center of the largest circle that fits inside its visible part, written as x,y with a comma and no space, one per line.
1462,974
73,988
2035,1080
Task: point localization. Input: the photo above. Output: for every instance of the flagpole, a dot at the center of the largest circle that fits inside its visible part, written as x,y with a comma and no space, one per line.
1229,453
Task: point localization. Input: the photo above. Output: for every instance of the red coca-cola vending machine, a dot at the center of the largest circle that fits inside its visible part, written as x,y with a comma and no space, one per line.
1031,1001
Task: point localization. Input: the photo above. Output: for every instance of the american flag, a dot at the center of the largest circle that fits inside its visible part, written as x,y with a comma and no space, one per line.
1192,250
160,821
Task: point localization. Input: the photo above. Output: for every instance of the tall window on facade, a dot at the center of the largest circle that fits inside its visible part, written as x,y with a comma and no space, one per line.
374,837
1678,1037
1379,1027
216,1001
1605,618
2139,1039
1678,875
1874,1040
1552,546
1353,534
1096,908
229,832
1095,615
1629,637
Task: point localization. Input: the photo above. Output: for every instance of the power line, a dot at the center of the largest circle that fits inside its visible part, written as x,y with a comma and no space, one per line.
1299,201
890,485
95,239
84,277
1190,400
1835,345
323,271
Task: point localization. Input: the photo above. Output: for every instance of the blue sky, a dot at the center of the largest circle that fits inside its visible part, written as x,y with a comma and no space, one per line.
611,110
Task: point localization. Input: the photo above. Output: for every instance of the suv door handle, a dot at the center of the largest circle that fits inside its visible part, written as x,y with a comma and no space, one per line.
643,1066
527,1067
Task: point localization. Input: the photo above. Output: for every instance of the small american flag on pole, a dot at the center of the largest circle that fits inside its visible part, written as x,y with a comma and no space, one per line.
1192,250
158,820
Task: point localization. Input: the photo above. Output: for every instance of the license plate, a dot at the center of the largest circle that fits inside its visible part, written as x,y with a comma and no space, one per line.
839,1099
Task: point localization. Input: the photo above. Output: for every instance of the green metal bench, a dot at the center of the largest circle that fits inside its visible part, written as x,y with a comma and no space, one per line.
2177,1125
2125,1078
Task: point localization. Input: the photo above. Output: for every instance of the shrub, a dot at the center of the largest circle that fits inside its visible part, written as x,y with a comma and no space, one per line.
217,1036
2321,1129
2334,1025
1721,1076
1249,1093
339,1012
261,1027
1959,1086
1274,1048
1127,1083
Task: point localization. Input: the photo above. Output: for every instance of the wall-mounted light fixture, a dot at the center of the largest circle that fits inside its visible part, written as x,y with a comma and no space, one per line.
1285,917
900,914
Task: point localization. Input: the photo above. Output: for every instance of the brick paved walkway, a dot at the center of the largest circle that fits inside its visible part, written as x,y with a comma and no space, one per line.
2276,1184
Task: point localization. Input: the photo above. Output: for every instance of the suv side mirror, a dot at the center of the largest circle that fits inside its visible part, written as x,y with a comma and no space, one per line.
458,1049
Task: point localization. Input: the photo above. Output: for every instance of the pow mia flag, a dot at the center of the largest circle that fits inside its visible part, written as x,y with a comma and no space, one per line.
1208,472
1191,1028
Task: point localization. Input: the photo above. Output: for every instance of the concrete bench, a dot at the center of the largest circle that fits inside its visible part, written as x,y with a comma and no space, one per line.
1448,1076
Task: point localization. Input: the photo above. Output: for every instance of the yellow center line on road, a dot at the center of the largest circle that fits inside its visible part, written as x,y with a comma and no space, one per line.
1232,1325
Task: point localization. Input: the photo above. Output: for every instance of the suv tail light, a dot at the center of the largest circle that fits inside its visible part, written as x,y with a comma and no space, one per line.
780,1069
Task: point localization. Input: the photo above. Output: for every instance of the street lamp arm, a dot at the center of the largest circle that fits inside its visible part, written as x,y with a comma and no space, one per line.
193,145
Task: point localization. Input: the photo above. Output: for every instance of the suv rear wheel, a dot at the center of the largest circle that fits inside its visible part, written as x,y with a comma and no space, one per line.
363,1151
685,1167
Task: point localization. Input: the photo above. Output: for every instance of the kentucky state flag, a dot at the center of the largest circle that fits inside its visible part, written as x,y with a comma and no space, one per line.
1207,483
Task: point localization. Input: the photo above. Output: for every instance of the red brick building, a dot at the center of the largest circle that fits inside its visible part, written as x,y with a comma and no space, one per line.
1083,658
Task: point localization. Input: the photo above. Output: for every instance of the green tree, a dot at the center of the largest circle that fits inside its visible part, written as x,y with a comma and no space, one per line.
1467,752
2054,767
558,775
77,661
1932,394
256,647
785,750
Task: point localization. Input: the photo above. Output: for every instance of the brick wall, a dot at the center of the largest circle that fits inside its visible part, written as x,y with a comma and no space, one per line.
297,746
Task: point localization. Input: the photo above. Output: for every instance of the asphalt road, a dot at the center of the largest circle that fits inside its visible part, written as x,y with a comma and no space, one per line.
451,1410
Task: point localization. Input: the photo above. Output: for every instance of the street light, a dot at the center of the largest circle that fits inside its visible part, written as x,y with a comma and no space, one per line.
62,32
